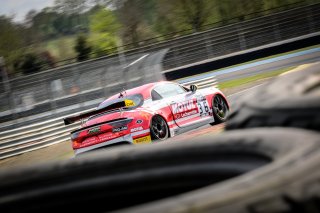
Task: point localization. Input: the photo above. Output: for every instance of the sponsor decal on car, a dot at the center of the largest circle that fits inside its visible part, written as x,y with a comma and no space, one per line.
136,129
94,130
89,141
145,139
107,136
184,109
119,129
144,115
129,103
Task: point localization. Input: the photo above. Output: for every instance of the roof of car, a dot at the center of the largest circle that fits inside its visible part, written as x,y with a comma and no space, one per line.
144,90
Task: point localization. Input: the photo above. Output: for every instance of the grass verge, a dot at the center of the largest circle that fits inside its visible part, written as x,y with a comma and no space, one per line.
249,79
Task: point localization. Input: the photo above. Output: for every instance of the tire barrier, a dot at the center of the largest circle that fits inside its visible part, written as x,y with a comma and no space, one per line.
291,100
203,83
262,168
175,177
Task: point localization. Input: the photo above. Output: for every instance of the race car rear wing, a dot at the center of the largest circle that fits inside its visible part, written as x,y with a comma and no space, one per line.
129,102
73,119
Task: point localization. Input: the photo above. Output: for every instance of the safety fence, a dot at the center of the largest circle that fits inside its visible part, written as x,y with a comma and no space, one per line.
177,35
242,36
57,92
83,82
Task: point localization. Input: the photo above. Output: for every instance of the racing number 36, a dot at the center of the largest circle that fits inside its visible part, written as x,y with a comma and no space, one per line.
203,106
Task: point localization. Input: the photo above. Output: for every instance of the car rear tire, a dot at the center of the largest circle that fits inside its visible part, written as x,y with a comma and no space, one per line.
159,128
220,109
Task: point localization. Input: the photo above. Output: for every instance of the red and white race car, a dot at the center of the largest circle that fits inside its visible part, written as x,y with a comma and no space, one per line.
148,113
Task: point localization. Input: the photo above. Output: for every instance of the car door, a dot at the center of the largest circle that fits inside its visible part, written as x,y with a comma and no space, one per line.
182,103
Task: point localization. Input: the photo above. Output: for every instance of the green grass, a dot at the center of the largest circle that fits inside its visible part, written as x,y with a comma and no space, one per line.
246,80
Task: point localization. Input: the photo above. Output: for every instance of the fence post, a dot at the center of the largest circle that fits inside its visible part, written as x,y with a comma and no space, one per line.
310,20
242,41
208,46
275,27
121,56
50,93
77,80
13,106
241,37
45,86
7,88
104,81
177,62
4,74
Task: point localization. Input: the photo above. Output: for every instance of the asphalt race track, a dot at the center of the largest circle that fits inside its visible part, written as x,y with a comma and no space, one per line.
266,65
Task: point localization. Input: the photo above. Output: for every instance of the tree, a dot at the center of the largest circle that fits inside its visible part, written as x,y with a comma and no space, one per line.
50,24
71,6
12,40
228,11
136,18
104,28
75,13
32,62
103,44
270,4
195,13
187,14
129,16
104,20
82,48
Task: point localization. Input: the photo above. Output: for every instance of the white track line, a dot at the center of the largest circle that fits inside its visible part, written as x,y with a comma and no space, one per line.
246,90
139,59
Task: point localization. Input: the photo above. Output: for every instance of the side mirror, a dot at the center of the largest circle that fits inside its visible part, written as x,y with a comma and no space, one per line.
193,88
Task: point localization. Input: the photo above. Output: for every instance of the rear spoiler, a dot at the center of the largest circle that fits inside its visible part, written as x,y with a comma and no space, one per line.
73,119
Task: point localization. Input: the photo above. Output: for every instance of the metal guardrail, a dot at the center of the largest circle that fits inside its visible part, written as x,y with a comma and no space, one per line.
35,136
41,135
203,83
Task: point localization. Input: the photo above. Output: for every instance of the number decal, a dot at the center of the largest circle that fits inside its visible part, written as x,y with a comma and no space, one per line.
200,108
203,106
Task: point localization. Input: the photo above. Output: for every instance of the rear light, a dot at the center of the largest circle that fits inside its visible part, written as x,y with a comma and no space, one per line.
93,134
76,143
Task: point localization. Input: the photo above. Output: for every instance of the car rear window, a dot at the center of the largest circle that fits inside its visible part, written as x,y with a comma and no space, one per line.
131,101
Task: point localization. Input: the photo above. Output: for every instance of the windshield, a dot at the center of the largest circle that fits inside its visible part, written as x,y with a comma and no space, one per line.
131,101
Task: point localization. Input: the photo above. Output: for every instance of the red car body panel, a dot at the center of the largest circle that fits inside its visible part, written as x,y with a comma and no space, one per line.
133,126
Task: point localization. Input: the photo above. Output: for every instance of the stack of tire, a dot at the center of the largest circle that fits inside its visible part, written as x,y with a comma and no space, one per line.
267,160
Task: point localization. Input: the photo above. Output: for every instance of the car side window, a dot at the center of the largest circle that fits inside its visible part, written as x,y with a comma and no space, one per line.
155,96
168,90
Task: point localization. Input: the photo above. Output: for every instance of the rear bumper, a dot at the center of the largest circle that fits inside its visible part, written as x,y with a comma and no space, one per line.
126,138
